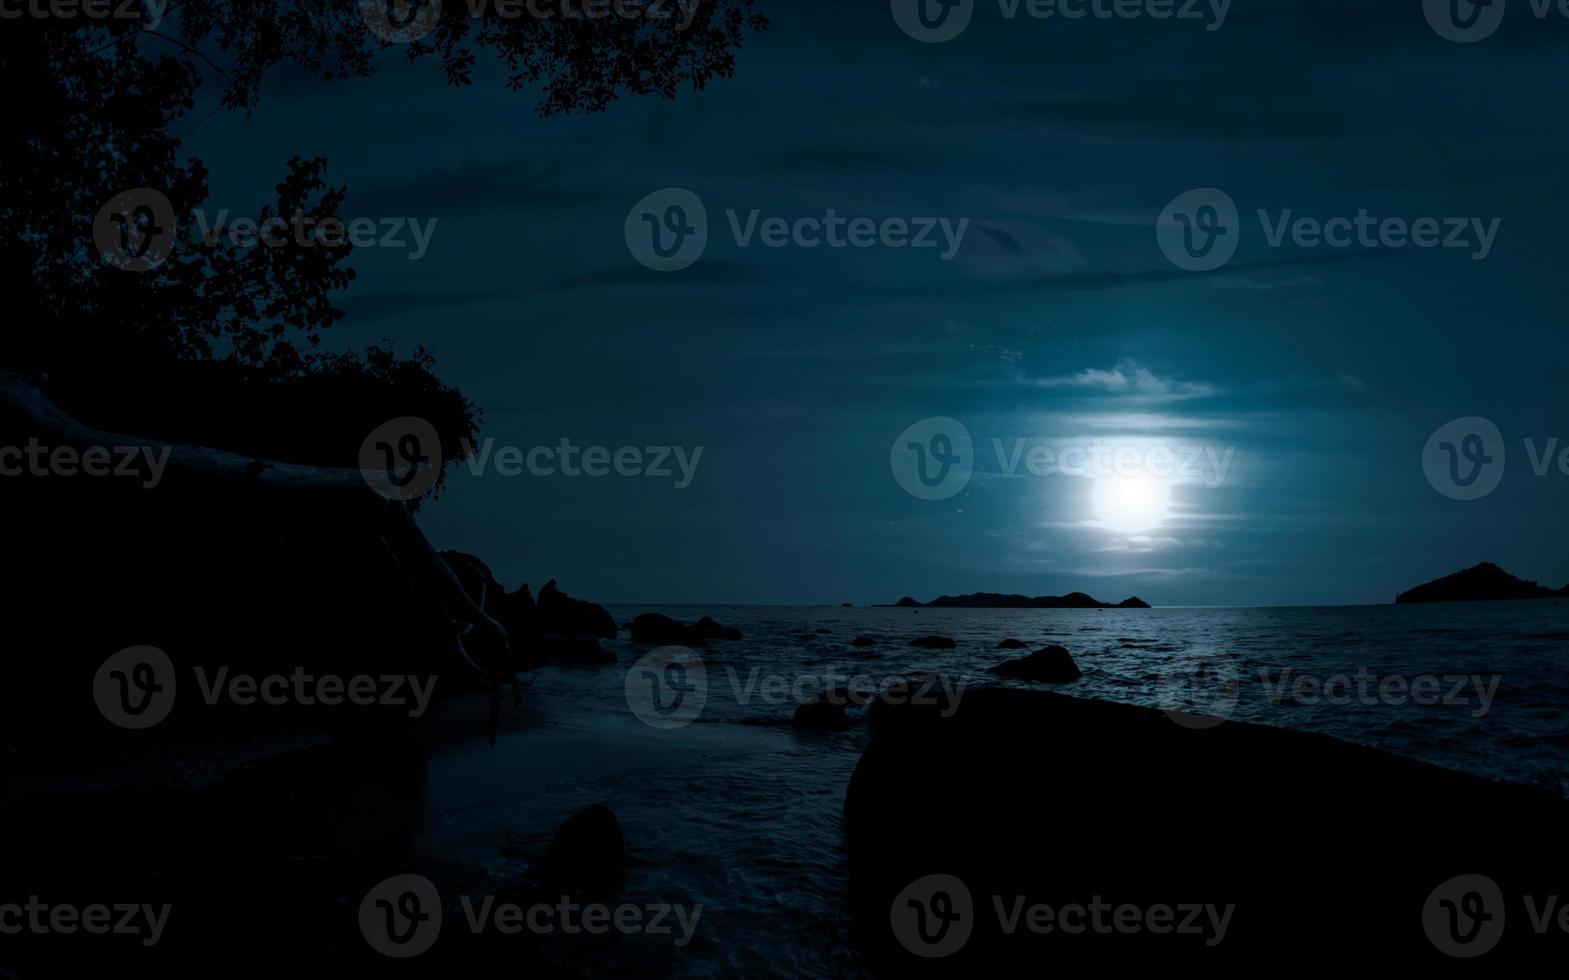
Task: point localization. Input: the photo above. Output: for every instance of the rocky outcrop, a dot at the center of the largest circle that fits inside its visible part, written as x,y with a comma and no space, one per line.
657,629
515,611
1048,665
563,615
1012,644
558,629
1125,805
1480,583
238,559
589,851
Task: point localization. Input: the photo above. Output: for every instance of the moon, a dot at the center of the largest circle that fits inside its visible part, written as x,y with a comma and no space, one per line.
1131,504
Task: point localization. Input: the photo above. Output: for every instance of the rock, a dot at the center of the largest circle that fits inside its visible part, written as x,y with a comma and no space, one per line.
863,641
660,630
581,651
474,575
821,713
515,611
1048,665
561,614
710,630
846,605
588,851
1075,820
917,698
933,642
1012,644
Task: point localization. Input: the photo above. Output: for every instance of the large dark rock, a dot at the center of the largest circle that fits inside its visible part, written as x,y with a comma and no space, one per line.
933,642
658,629
708,629
1048,665
912,699
561,614
1012,644
588,851
1068,801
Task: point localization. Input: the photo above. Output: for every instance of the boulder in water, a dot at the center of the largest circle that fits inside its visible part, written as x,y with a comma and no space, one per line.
588,851
708,629
657,629
1048,665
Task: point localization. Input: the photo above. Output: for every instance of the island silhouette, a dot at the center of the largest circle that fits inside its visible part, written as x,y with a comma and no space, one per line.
997,600
1480,583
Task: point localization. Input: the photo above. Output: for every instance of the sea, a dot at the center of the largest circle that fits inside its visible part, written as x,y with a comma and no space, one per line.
731,813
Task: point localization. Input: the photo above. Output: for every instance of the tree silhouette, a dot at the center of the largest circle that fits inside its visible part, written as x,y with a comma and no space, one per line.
106,99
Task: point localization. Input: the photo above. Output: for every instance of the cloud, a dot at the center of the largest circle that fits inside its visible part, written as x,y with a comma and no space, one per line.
1130,378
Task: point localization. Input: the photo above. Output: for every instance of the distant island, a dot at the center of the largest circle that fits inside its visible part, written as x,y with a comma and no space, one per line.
996,600
1481,583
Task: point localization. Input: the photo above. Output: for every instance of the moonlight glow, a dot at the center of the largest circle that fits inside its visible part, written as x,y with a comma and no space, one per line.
1131,504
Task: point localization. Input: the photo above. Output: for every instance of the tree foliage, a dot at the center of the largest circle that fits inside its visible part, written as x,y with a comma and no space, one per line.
106,103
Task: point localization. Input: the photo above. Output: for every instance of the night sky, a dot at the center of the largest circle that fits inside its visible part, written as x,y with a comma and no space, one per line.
1322,371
